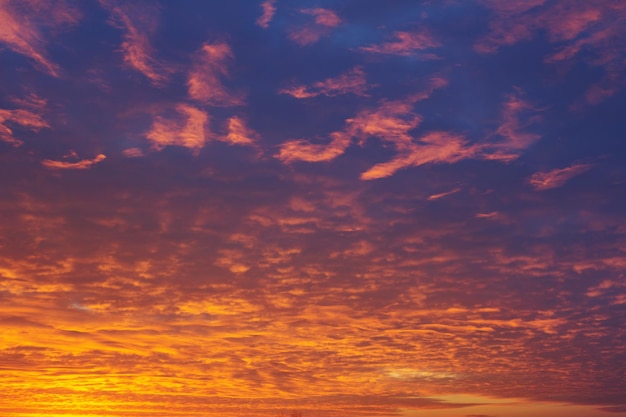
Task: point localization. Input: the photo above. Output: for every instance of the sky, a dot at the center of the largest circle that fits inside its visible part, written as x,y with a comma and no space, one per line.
342,208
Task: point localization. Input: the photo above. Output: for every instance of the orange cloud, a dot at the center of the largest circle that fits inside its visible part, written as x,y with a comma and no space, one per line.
557,177
204,82
303,150
189,129
352,81
324,21
406,43
239,133
21,23
269,9
25,118
435,147
138,24
391,122
82,164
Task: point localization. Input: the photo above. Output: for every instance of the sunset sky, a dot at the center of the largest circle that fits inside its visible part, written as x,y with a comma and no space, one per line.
345,208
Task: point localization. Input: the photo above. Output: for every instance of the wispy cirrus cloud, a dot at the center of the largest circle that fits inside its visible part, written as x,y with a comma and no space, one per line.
405,44
351,82
204,81
80,164
512,129
444,194
188,128
391,122
269,8
139,24
434,147
29,116
572,28
324,20
25,26
557,177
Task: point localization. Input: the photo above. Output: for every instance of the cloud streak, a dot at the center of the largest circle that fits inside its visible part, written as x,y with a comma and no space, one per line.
138,24
405,44
556,178
351,82
82,164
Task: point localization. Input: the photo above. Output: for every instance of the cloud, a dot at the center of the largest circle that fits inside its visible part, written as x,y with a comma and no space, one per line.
269,9
25,26
572,28
434,147
189,128
405,44
204,82
324,21
82,164
511,130
391,122
351,82
557,177
303,150
133,153
29,118
138,23
239,133
441,195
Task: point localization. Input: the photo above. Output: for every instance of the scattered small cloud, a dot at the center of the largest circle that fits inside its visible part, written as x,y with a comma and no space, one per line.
204,82
138,24
324,21
188,128
351,82
29,118
269,8
405,44
557,177
81,164
133,153
239,133
444,194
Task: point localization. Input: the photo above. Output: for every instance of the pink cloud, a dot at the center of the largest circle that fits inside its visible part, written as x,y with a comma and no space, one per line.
204,80
441,195
29,118
133,153
405,44
82,164
572,27
269,9
557,177
323,22
353,82
138,24
304,150
391,122
188,129
511,130
239,133
21,25
323,17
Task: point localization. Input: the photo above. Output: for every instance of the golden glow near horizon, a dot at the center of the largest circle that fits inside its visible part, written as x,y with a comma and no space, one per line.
356,208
